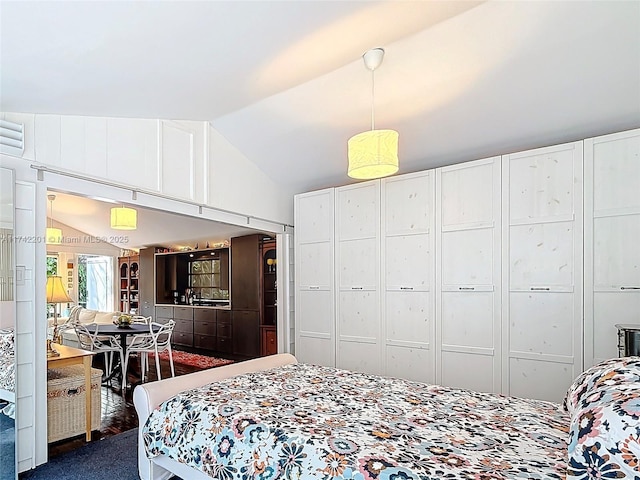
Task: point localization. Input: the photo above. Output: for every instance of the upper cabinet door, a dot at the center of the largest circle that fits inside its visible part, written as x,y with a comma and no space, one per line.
182,159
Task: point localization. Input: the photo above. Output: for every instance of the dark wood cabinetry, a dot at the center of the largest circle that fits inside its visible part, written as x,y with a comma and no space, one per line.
183,330
145,284
245,273
269,341
248,328
128,276
246,333
269,297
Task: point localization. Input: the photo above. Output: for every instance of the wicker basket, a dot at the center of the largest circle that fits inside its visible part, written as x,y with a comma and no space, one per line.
66,401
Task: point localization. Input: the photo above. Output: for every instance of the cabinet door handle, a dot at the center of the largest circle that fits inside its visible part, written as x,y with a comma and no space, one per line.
406,288
540,289
356,288
466,288
629,288
314,287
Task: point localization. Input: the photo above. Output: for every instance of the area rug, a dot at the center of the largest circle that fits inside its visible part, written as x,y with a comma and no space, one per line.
7,448
192,359
107,459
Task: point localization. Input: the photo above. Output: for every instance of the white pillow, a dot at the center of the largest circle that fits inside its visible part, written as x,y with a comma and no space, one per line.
87,316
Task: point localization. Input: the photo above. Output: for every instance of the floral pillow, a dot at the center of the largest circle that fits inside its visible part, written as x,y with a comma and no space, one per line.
604,435
7,341
606,374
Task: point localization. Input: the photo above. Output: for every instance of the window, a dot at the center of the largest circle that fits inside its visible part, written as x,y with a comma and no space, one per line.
95,282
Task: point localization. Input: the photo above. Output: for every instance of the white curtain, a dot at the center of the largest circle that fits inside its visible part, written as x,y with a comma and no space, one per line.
100,283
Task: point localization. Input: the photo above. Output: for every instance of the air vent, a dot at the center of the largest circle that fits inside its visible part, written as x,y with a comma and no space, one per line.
11,138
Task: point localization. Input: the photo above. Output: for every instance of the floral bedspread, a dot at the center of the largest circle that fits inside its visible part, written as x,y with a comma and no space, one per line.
7,360
311,422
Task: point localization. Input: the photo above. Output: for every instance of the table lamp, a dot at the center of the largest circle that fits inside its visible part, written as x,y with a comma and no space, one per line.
55,294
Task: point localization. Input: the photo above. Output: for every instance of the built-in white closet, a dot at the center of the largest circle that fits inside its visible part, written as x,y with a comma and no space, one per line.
472,275
612,240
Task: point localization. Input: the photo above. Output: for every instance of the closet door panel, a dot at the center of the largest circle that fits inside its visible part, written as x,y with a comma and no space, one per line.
359,264
357,310
315,330
408,260
468,275
407,204
314,223
467,257
410,363
357,211
468,371
612,239
542,267
542,323
314,350
315,312
314,269
541,254
407,319
616,167
360,357
616,255
407,280
468,320
534,379
543,184
357,273
464,198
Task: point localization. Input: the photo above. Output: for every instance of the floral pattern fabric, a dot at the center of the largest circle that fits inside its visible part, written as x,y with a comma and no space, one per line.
311,422
604,441
7,360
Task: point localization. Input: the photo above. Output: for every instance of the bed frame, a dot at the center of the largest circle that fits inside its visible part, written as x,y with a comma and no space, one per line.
148,396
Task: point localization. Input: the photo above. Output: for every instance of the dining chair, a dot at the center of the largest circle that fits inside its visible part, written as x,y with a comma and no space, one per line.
156,341
94,343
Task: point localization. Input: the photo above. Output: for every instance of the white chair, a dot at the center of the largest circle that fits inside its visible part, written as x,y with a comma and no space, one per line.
106,344
156,341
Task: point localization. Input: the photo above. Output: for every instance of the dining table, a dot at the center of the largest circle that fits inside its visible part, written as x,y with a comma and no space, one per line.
122,331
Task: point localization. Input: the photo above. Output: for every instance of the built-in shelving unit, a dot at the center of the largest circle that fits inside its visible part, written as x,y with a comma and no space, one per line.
129,277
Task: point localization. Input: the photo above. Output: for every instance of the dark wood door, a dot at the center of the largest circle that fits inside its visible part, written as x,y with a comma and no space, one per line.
246,333
245,272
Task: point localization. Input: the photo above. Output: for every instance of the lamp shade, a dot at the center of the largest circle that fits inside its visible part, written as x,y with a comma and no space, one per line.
123,218
54,236
373,154
55,290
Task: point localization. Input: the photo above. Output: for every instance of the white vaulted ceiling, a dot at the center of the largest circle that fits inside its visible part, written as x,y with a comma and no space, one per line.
284,81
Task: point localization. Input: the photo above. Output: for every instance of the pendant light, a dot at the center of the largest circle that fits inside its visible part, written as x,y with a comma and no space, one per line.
54,235
124,218
373,154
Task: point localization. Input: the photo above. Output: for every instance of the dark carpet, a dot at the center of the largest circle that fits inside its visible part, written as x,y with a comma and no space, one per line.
7,448
112,458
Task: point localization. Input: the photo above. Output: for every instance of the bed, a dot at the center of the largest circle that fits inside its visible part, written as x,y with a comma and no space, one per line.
275,418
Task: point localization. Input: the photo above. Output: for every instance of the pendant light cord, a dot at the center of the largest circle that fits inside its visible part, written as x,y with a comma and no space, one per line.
373,86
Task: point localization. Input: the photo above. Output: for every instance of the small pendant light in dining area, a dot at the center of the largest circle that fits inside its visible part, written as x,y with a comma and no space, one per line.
124,218
374,153
53,235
